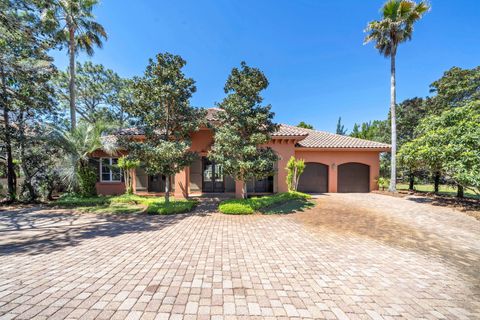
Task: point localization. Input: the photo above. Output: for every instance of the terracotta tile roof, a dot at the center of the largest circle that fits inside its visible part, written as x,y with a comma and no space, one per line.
307,138
290,131
212,114
322,139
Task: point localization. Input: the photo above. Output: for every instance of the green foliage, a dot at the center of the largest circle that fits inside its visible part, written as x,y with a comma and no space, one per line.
457,87
340,127
383,182
75,17
396,26
304,125
377,130
180,206
25,94
251,205
294,171
100,93
127,164
409,114
448,143
73,25
166,117
87,177
244,126
71,200
76,147
125,204
444,190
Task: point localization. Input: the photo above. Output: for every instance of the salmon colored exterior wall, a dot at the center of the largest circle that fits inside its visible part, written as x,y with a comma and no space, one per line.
202,141
110,188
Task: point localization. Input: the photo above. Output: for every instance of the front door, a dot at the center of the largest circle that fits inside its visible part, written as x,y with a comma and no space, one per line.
213,179
156,183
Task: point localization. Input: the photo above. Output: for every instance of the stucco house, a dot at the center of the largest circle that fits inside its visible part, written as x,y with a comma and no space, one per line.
334,163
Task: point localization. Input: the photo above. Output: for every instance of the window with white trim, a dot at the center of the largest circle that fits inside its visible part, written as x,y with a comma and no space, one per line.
109,170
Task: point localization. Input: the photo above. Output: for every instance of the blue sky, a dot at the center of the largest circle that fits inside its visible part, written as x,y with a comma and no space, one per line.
310,50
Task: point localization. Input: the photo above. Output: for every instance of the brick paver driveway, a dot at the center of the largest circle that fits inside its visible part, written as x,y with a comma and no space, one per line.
354,256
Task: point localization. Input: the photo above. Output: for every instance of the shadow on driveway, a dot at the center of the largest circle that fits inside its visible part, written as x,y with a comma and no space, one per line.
37,230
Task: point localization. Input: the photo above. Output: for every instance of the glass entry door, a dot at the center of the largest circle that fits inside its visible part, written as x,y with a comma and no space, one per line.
213,179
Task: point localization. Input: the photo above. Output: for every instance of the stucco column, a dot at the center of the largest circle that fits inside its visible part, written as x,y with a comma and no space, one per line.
332,177
238,189
374,174
285,151
182,183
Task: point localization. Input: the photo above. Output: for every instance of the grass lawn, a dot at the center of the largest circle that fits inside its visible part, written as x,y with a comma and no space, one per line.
125,204
443,190
280,203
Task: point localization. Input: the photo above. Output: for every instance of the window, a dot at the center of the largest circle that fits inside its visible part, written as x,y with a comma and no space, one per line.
109,171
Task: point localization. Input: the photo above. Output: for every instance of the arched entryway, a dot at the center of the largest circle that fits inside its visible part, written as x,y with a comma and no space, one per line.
353,177
314,178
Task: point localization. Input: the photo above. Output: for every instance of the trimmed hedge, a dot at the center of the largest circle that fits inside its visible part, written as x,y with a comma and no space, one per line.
251,205
125,203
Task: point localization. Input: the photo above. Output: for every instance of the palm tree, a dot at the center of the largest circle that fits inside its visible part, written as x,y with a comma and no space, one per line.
77,145
75,26
396,26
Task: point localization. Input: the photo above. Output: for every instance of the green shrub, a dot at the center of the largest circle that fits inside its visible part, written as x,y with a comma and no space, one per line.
173,207
126,203
240,206
248,206
132,199
74,200
383,183
87,177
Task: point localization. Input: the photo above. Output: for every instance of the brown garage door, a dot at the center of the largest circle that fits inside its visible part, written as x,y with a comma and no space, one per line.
353,177
314,178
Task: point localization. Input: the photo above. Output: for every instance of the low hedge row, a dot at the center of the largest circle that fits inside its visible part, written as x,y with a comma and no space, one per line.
126,202
251,205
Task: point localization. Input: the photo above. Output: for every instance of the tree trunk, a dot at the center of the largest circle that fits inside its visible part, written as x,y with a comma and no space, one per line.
436,182
411,181
167,189
393,97
244,189
11,177
460,192
73,116
27,183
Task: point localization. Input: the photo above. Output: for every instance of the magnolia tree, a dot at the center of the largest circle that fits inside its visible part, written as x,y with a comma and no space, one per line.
164,114
294,171
244,126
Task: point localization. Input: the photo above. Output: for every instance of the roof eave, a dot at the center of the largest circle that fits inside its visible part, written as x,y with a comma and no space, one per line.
376,149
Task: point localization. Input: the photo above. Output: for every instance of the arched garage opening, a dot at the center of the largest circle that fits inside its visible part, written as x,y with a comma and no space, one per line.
353,177
314,178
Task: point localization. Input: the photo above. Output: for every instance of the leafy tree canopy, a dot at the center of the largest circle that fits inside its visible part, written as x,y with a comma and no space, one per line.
450,143
409,114
456,88
244,126
163,111
377,130
305,125
99,92
25,93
